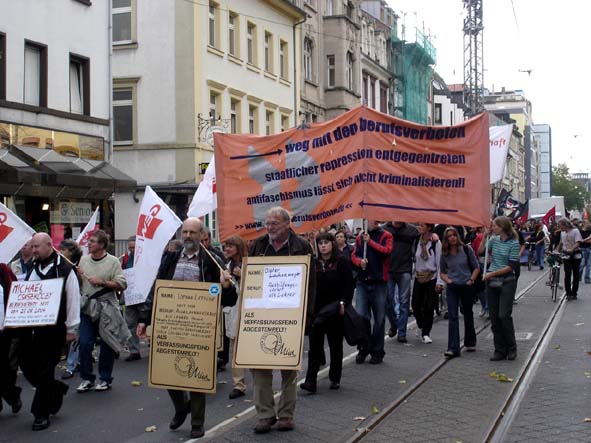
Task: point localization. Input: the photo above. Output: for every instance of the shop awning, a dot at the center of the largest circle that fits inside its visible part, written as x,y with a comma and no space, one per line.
31,171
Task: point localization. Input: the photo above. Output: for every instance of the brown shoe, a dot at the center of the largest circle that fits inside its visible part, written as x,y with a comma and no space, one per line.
285,424
264,425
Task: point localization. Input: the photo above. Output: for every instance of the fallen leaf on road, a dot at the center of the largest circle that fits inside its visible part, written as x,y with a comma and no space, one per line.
375,410
229,406
136,383
247,401
402,382
140,409
587,420
557,347
588,374
359,418
579,324
503,378
151,428
500,377
424,355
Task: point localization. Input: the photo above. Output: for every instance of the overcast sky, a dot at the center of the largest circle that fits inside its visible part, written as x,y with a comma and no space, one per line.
547,37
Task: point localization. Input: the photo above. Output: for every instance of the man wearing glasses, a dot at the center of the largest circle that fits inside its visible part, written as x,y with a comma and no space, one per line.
280,240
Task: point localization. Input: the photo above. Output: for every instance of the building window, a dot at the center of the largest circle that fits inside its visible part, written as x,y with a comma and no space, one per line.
383,98
79,85
212,25
234,116
35,84
331,74
349,71
268,52
372,93
438,115
123,123
252,119
2,66
251,43
122,21
214,105
364,89
269,122
329,7
283,57
308,57
233,34
284,123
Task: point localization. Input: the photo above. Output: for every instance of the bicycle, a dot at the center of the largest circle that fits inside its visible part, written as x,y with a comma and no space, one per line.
554,260
531,248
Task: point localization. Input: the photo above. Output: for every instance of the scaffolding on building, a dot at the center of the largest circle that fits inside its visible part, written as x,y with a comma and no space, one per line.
413,57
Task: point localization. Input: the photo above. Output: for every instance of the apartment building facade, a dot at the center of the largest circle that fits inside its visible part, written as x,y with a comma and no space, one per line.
184,70
55,110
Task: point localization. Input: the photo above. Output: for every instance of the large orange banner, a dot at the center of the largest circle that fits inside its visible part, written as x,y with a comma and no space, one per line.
362,164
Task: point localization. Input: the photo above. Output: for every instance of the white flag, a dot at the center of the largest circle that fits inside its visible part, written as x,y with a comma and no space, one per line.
90,229
499,146
205,199
155,227
14,233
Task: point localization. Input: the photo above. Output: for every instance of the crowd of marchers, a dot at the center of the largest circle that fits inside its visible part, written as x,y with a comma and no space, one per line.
371,280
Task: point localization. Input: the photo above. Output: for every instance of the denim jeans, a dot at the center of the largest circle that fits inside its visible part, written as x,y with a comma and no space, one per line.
500,304
393,301
73,355
457,294
540,255
571,276
400,281
370,299
586,265
89,332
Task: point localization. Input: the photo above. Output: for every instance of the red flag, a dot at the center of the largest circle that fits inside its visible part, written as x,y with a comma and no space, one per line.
549,217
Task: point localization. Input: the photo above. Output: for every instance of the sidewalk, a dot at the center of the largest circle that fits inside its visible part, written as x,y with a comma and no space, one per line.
559,397
334,416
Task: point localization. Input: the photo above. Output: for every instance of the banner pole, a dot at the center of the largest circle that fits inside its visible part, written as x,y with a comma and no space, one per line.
234,282
364,242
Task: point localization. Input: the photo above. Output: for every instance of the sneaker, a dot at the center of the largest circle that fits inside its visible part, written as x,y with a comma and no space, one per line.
102,386
360,358
285,424
85,386
334,385
427,339
39,424
309,386
197,431
392,332
401,339
67,374
376,360
264,425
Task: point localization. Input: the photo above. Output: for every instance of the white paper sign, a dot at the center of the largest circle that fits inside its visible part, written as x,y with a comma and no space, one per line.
33,303
131,295
281,288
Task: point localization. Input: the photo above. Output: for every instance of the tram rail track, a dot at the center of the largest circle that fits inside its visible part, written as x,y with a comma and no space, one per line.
506,409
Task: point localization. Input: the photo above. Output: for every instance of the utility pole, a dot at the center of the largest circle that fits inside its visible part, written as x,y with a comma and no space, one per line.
473,58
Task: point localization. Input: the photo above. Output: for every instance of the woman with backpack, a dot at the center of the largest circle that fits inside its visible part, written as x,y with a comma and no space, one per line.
459,270
427,279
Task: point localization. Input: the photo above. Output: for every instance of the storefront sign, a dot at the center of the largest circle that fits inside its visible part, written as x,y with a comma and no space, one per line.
33,303
272,315
184,330
71,212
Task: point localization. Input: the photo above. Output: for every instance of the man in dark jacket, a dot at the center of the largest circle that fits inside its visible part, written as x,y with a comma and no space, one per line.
280,240
40,348
372,255
400,273
188,264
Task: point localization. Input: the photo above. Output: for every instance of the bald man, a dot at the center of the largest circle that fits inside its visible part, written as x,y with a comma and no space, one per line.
189,264
40,347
